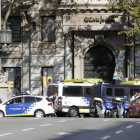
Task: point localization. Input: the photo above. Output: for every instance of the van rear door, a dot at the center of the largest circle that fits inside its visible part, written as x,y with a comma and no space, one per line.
72,95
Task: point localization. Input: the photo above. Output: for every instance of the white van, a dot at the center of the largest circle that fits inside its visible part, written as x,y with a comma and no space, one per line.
73,98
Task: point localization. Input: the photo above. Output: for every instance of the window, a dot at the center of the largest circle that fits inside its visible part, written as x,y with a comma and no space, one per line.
48,30
16,101
48,72
52,89
38,99
132,91
109,91
48,99
72,91
96,91
138,100
14,23
87,92
29,99
119,92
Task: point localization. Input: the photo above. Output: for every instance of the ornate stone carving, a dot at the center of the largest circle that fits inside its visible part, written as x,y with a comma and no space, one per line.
99,39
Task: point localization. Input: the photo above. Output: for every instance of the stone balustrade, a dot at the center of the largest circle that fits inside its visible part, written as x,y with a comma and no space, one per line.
88,1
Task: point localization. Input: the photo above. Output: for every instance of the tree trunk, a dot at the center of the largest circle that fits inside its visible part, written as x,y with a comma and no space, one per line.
8,13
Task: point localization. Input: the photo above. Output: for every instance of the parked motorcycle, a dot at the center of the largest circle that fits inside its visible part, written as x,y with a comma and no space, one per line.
122,106
108,108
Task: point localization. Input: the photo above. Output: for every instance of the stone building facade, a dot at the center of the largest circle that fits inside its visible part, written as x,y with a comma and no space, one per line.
67,42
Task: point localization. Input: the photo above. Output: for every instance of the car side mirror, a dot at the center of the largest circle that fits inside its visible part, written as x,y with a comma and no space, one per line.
8,103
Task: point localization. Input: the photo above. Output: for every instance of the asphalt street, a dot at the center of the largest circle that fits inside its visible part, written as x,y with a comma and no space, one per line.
22,128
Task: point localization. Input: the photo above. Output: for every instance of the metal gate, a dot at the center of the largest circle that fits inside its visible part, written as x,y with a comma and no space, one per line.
99,62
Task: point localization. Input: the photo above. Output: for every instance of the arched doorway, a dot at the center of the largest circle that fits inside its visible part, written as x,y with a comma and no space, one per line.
99,62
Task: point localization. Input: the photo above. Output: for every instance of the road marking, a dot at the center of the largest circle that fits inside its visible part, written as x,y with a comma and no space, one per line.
33,119
28,129
62,133
72,119
138,122
46,125
118,131
106,137
105,120
129,126
5,134
62,121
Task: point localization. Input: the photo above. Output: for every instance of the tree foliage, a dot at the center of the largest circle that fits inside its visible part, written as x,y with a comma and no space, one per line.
131,9
11,5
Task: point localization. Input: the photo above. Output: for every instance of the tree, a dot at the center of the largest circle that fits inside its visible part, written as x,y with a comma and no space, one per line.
131,10
11,5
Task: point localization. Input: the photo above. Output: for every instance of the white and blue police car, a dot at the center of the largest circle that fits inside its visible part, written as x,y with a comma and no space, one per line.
27,105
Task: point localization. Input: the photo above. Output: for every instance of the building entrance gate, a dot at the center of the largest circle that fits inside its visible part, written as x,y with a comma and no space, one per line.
99,62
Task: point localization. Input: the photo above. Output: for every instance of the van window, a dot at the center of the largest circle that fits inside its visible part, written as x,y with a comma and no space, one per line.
119,92
96,91
72,91
132,91
52,89
87,92
109,92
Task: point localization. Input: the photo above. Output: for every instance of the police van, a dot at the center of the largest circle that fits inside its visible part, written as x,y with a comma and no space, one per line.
73,98
99,91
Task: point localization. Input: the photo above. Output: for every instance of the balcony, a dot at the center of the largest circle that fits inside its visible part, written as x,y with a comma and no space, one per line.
89,1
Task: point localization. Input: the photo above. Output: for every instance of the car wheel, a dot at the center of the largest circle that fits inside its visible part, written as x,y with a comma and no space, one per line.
124,114
105,115
139,114
73,112
39,113
1,114
114,115
108,115
127,114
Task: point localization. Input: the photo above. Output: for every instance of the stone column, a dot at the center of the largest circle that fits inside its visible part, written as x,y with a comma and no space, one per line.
26,60
68,56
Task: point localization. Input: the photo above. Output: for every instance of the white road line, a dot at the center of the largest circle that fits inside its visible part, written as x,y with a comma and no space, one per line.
5,134
62,121
72,119
118,131
106,137
62,133
129,126
105,120
46,125
33,119
138,122
28,129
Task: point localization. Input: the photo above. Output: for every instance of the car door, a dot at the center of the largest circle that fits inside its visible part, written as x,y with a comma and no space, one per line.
137,107
134,111
29,105
14,107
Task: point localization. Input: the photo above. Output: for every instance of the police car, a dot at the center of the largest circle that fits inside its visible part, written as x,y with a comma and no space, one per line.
27,105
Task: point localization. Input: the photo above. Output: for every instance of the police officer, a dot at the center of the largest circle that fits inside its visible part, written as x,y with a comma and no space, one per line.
53,97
